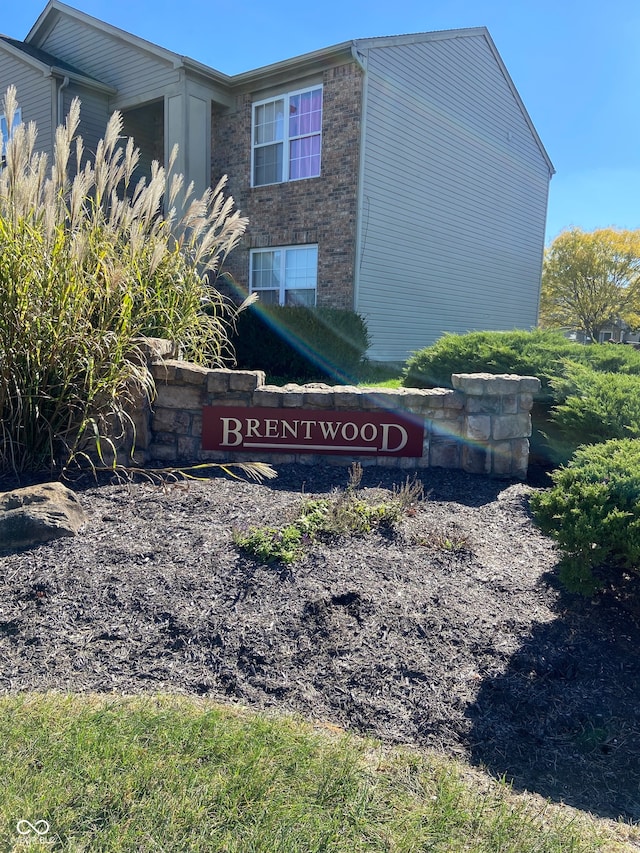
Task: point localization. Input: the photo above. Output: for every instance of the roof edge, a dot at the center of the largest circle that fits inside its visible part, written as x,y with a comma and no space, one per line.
303,63
414,38
24,56
519,100
40,29
53,69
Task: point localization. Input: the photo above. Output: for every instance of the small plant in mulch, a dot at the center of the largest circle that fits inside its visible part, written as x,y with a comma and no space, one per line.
270,545
453,542
347,513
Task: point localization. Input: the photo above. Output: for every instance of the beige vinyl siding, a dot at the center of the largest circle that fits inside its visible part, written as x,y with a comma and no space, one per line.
453,197
138,75
35,95
94,114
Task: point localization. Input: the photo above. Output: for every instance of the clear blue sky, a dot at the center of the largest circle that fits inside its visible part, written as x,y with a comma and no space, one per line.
576,64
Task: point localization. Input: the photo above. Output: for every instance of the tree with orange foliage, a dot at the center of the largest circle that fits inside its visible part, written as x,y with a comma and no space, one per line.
591,279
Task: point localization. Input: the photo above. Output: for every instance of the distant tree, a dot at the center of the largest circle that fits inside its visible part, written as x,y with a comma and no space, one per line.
591,279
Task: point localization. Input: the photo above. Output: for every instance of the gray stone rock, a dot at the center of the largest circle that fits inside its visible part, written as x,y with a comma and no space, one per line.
37,514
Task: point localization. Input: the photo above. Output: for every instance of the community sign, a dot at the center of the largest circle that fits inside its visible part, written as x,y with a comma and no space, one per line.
265,430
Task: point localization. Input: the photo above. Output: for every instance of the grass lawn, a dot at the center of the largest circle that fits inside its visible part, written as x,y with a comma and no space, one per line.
176,774
370,376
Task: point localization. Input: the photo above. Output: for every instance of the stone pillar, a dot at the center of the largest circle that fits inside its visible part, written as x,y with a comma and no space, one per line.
497,422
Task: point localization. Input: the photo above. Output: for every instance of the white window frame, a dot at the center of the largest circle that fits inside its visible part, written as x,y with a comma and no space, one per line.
282,292
286,137
6,133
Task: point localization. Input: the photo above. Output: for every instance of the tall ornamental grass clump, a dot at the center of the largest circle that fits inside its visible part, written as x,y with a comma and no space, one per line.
593,512
89,263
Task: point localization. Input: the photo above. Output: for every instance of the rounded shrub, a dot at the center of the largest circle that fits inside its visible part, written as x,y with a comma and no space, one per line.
566,370
300,342
593,512
535,353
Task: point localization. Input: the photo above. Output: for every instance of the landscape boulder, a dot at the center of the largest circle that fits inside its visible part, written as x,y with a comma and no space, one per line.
37,514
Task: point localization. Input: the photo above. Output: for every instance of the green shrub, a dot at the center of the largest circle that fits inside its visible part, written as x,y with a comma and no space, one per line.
593,512
536,353
89,264
300,342
556,362
595,407
609,358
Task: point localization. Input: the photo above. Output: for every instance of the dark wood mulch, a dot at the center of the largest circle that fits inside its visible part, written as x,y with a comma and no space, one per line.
450,634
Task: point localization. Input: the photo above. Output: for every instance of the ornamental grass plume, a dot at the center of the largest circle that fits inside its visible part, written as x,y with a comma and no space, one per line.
89,262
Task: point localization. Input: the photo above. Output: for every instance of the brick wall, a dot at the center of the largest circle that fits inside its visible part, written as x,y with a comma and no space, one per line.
314,210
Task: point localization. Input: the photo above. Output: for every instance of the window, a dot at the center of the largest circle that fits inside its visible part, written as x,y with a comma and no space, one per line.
5,134
286,275
286,137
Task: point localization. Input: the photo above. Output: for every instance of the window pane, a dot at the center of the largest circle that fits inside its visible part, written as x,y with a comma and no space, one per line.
305,298
298,266
269,297
265,270
298,128
268,165
301,268
269,122
305,113
304,158
4,130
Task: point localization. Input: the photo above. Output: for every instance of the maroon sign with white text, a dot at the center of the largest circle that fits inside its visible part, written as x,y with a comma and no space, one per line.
237,429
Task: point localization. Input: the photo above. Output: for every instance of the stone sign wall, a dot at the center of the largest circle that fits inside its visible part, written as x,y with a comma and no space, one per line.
482,426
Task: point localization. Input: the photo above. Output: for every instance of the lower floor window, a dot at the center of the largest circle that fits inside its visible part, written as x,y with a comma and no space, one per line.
287,275
6,132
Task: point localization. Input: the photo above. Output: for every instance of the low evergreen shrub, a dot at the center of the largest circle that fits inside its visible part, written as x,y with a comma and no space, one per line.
300,342
566,370
595,407
593,512
536,353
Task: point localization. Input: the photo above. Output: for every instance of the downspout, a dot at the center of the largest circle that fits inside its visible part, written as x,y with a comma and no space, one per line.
60,104
357,56
359,59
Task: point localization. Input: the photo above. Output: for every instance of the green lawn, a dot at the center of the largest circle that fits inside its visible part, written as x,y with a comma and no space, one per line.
371,376
175,774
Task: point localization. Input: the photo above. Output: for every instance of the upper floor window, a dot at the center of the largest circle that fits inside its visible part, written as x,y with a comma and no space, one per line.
286,137
6,132
286,275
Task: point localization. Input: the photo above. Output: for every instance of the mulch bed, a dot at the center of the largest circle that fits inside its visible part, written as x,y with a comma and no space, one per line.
451,634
